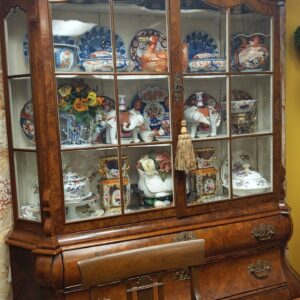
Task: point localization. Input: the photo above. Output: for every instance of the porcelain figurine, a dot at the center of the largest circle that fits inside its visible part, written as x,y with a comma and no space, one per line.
135,121
250,53
197,113
109,121
153,60
155,177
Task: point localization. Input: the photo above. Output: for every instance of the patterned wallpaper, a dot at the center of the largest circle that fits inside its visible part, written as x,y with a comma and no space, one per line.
5,201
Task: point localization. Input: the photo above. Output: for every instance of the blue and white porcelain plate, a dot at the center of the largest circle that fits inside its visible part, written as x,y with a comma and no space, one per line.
96,43
200,42
27,122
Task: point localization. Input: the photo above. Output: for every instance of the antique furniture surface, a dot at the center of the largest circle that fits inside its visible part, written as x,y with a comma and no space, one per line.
137,262
95,94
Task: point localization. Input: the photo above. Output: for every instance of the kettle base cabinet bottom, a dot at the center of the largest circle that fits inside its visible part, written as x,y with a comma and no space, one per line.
237,264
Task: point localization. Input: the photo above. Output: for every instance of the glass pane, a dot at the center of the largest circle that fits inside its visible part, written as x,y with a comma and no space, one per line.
144,109
252,166
17,42
203,106
203,32
27,186
82,36
210,180
251,104
92,183
151,177
22,118
143,30
87,114
250,40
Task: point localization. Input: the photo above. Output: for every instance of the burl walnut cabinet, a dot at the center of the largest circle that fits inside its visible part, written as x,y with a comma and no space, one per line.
95,94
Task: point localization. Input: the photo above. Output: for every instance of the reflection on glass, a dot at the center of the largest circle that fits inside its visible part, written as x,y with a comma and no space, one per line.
209,181
22,113
87,112
203,109
251,104
144,110
151,177
145,35
17,42
27,186
82,42
91,183
250,40
251,166
203,32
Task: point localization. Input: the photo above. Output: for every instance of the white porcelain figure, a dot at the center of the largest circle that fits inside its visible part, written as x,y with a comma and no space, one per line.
154,186
136,121
215,120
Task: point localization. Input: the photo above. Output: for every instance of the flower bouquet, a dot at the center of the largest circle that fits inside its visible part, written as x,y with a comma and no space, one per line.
81,110
80,100
155,178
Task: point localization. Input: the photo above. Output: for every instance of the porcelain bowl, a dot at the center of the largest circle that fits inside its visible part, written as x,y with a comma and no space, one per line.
243,106
106,64
65,56
208,65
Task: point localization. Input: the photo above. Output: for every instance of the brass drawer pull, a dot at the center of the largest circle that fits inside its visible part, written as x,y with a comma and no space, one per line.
263,232
261,269
185,236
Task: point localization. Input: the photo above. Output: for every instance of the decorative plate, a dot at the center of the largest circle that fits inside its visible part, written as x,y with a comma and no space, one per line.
201,45
26,47
148,50
96,44
155,109
27,121
239,159
34,194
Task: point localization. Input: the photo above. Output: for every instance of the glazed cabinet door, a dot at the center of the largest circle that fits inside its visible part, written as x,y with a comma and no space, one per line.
21,106
112,74
230,102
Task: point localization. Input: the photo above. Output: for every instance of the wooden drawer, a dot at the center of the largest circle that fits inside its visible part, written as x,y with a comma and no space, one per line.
258,276
219,241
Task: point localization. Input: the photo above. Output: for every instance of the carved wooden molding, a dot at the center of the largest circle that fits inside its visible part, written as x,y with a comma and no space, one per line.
185,236
178,87
260,269
263,232
182,275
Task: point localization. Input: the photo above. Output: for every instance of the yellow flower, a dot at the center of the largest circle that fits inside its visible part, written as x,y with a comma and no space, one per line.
92,97
65,91
62,103
79,105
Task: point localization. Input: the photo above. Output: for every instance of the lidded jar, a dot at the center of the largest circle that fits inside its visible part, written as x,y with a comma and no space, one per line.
74,185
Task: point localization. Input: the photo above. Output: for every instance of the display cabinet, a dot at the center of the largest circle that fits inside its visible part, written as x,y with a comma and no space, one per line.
95,94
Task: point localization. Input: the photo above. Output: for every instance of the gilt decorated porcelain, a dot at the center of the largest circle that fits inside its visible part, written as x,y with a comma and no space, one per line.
250,53
27,121
148,51
203,53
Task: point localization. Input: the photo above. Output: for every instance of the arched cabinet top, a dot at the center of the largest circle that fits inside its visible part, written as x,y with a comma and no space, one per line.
265,7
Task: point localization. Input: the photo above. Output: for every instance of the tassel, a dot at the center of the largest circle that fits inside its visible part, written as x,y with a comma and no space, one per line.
185,159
